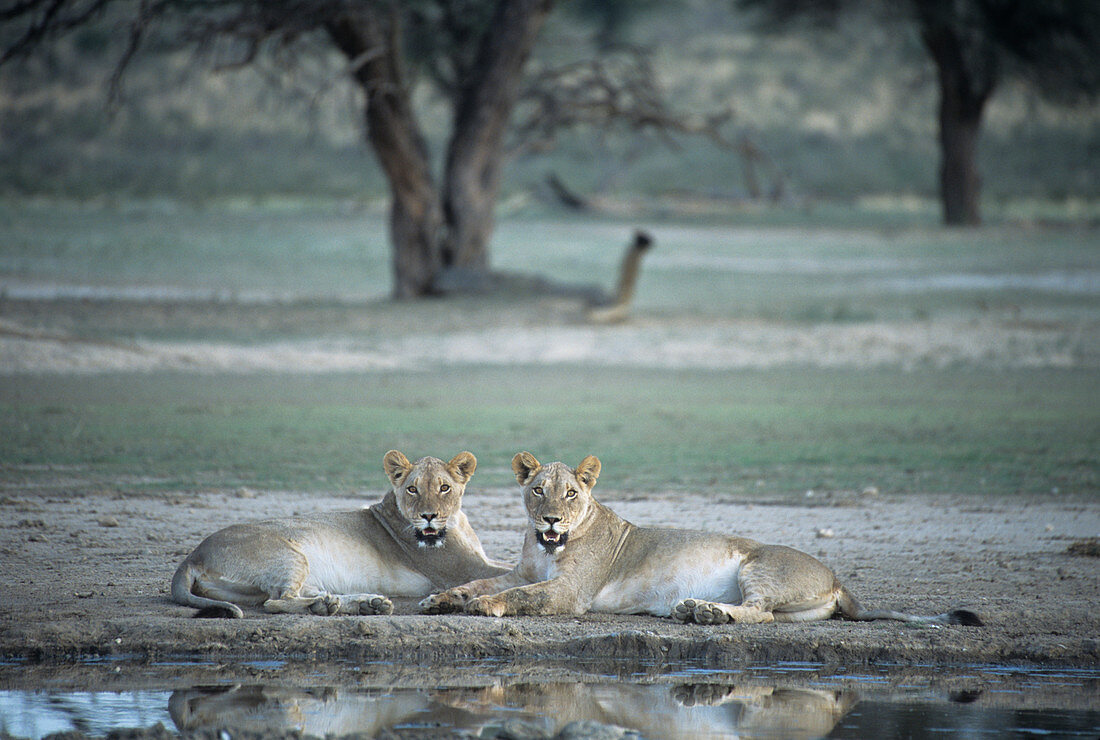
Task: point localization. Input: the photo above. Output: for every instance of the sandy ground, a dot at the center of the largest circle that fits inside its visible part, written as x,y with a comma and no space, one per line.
664,344
86,573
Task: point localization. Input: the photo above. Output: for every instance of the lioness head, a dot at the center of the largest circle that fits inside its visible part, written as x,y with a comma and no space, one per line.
557,497
429,491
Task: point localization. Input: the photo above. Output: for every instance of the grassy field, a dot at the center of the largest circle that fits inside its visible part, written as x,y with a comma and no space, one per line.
970,428
833,268
740,433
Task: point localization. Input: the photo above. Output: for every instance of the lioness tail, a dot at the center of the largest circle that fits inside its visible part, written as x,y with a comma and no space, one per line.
182,583
849,608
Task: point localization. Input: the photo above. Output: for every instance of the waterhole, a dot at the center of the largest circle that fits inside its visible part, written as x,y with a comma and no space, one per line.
533,700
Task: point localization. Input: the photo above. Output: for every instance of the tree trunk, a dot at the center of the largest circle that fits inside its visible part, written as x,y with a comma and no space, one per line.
483,108
960,183
967,75
371,42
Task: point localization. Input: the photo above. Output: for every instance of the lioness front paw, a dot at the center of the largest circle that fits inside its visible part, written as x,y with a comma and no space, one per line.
374,605
445,602
684,610
326,605
485,606
708,613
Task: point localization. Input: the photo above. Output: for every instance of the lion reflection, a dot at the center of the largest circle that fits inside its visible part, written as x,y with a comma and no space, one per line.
656,710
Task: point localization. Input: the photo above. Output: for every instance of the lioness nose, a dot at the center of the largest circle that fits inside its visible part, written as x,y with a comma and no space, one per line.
428,516
551,519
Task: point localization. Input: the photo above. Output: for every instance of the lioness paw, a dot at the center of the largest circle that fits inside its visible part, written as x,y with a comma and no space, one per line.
485,606
374,605
447,602
684,610
325,606
708,613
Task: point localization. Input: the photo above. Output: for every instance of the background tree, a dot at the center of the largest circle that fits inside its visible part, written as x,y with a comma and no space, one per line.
472,53
975,45
474,50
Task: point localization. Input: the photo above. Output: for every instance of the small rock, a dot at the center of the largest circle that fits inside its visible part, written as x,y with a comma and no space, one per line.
518,729
1089,548
870,491
245,492
37,538
587,729
825,533
107,521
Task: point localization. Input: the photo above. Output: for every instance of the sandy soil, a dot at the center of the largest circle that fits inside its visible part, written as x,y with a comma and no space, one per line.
86,574
717,344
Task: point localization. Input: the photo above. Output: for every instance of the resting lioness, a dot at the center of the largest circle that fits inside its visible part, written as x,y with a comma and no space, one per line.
414,541
579,556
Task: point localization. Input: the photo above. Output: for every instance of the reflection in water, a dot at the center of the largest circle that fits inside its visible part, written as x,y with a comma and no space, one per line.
687,711
796,701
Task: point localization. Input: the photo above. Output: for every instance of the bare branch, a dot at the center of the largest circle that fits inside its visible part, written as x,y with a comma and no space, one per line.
53,21
619,89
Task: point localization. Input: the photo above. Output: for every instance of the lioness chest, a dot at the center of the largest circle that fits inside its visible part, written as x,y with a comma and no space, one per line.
347,555
659,567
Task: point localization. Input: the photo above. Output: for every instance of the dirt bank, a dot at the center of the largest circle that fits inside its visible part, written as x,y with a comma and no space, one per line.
86,573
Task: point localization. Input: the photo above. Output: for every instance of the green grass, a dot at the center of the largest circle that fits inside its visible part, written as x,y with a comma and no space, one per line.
752,266
743,433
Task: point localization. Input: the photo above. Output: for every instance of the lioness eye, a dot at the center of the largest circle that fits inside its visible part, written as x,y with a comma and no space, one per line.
570,493
537,490
412,490
444,488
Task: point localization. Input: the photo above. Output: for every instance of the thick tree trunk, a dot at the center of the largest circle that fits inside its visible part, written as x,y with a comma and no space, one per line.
482,111
960,183
431,231
967,75
371,42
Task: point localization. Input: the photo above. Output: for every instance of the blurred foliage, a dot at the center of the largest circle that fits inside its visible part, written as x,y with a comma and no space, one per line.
843,115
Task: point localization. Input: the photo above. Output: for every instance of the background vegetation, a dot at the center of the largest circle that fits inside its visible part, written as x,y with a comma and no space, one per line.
846,115
230,190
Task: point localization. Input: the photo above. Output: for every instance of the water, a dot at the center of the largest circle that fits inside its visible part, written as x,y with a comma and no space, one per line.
480,699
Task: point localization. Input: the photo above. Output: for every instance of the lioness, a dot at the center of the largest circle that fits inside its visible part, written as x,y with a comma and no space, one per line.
414,541
579,556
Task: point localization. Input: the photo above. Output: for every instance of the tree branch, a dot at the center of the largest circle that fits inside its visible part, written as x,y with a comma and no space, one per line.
619,89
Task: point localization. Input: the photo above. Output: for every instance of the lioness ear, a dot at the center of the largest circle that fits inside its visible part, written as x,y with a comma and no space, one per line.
588,471
396,465
524,465
462,466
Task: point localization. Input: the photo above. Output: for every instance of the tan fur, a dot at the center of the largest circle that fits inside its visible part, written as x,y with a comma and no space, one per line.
414,541
619,307
579,556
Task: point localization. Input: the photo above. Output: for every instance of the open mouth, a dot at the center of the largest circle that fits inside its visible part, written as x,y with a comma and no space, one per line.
430,536
551,540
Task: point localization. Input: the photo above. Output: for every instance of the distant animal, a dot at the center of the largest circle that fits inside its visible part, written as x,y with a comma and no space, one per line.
579,556
612,309
414,541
